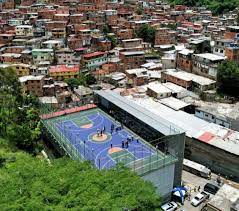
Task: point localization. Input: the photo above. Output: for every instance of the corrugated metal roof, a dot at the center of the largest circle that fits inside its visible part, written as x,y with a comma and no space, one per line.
151,119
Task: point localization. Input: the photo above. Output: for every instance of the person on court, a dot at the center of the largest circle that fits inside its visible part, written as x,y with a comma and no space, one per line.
112,126
127,144
122,144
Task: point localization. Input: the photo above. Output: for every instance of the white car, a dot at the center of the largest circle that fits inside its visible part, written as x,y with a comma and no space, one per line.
199,198
171,206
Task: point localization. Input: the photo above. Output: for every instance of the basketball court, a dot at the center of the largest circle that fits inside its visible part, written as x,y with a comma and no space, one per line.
98,138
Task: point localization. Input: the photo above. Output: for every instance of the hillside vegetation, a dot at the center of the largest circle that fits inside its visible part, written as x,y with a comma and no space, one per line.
216,6
28,182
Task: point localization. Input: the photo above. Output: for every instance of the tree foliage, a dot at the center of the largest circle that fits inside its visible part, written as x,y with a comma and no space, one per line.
228,78
139,10
29,183
237,18
216,6
17,2
106,29
172,26
147,33
113,40
83,79
19,115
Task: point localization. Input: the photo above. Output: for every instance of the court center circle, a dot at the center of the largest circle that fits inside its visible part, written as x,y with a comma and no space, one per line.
100,138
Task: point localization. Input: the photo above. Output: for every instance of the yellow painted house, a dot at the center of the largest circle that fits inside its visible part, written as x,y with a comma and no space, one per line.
21,69
61,72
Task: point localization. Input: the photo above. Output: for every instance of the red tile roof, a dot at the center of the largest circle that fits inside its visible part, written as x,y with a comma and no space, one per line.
64,68
89,55
80,49
101,72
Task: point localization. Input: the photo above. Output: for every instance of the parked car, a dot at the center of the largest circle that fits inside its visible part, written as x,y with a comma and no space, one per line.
210,188
199,198
171,206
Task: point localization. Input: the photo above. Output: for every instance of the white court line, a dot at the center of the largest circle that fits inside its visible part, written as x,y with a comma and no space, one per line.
96,158
102,120
80,116
122,156
106,164
85,129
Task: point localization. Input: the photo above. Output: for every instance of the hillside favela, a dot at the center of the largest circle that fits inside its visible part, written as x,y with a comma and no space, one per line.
119,105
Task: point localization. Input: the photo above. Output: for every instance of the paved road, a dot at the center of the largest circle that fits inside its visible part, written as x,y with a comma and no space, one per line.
193,182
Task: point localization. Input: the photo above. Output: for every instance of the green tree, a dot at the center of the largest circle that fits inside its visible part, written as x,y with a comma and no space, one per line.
113,40
217,7
17,2
139,10
171,26
29,183
83,79
72,82
19,115
9,83
106,29
147,33
90,79
237,18
228,78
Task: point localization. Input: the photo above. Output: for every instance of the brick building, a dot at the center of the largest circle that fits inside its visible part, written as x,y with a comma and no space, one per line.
164,36
132,59
232,52
232,32
184,60
10,58
32,84
6,38
7,4
124,34
136,77
176,78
